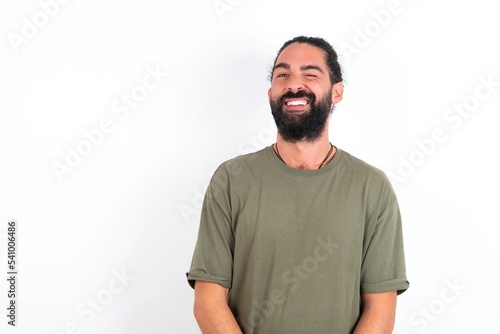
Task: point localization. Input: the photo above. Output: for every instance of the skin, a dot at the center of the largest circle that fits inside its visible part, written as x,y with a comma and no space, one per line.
378,313
211,310
298,67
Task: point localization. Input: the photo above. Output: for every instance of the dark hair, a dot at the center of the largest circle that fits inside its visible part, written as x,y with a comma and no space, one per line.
331,56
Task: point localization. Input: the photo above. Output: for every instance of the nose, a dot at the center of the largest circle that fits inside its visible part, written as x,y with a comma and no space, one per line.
295,84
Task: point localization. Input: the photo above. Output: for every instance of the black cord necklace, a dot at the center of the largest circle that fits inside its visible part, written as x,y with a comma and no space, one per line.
324,160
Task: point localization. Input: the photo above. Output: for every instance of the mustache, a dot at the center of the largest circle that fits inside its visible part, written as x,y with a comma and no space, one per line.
298,94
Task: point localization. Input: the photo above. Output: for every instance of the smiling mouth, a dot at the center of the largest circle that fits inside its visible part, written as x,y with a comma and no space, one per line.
296,102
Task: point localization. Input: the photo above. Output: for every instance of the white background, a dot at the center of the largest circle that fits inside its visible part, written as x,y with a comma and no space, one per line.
130,207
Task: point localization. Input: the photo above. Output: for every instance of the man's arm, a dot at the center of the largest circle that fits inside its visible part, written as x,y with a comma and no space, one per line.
378,313
211,310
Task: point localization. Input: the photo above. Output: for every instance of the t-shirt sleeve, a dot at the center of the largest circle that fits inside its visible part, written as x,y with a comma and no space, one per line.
383,268
213,255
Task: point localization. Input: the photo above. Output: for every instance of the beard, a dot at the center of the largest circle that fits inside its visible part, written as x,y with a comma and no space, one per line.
302,127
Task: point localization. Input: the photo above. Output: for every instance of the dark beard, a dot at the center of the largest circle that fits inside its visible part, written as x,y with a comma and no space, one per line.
305,127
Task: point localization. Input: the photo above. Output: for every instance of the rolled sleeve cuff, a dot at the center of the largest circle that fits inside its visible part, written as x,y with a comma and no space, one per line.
400,285
194,276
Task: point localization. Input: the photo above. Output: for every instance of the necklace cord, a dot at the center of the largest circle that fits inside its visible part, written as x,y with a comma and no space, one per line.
321,165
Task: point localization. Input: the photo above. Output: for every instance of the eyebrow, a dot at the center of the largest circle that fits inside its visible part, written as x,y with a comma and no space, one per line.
302,68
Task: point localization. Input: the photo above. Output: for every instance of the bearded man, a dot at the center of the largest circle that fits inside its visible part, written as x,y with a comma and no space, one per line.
301,236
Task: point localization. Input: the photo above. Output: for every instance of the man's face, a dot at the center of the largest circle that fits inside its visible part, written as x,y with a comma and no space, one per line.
301,94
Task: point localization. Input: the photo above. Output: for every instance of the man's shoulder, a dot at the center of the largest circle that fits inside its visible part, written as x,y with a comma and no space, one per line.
244,161
362,168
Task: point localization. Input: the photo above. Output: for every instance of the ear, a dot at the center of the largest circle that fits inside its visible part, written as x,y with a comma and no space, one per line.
269,93
337,92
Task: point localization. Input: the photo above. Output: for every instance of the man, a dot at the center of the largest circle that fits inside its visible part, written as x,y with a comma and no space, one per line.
300,237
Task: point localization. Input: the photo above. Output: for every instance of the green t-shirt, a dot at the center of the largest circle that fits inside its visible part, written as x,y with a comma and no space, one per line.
298,247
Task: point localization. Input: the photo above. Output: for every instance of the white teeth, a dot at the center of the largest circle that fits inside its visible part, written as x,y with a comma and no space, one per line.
296,103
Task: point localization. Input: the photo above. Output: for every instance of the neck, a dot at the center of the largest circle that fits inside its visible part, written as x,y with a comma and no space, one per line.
305,155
